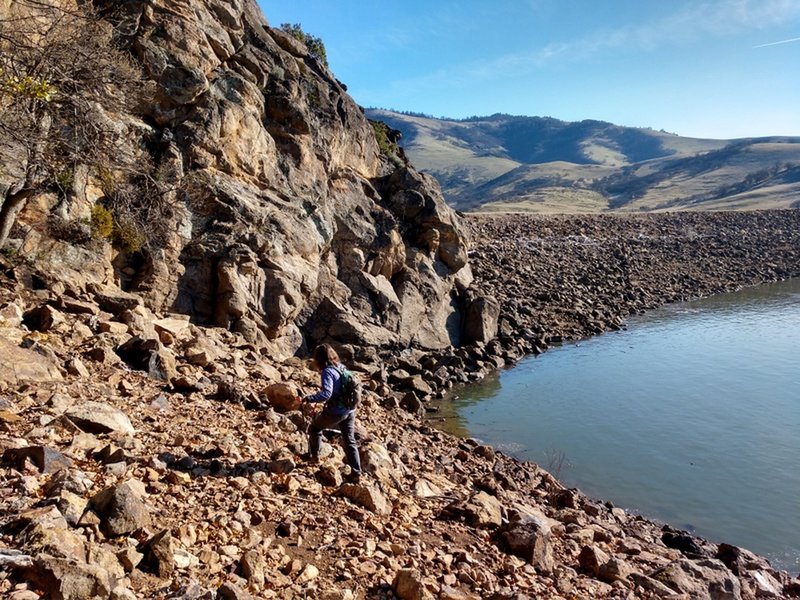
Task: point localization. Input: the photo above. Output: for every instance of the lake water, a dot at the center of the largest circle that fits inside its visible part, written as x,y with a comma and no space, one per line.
690,417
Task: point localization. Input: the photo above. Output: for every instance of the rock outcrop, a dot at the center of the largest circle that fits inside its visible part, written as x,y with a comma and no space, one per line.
283,220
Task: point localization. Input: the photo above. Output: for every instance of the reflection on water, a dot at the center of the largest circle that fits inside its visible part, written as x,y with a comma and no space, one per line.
690,416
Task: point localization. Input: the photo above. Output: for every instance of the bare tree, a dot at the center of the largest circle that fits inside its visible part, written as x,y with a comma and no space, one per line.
61,81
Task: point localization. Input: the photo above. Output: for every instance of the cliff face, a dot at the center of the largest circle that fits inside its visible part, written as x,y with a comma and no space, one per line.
284,216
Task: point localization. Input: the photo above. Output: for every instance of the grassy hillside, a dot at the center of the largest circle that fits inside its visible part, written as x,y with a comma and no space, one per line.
535,164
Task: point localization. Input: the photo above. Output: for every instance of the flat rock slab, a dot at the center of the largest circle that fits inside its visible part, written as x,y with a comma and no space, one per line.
175,327
46,459
78,307
115,301
20,364
367,496
97,417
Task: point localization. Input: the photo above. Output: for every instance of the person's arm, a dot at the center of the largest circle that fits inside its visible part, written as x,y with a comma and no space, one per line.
326,390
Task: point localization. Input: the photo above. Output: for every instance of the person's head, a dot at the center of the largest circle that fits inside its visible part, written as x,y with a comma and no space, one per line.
325,356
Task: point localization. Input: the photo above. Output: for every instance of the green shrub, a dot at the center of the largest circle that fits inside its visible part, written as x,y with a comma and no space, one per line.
101,222
315,45
387,147
65,180
127,237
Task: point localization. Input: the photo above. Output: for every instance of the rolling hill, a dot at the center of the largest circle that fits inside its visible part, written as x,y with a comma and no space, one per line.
541,164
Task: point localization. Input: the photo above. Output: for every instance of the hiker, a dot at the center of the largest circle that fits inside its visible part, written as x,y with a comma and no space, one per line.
333,412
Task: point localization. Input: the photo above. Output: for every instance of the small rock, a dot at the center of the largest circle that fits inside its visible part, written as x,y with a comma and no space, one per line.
8,417
253,567
281,466
614,570
111,454
448,593
76,367
159,554
329,476
230,591
129,558
72,506
337,595
286,529
14,559
23,595
184,559
310,572
407,584
484,510
122,593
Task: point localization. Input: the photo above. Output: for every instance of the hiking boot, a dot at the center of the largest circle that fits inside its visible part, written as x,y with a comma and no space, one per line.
309,458
352,477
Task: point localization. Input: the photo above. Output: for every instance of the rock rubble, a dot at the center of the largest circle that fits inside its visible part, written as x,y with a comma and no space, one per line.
542,280
119,482
121,485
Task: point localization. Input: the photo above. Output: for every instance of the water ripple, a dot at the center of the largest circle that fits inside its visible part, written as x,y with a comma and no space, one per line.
691,416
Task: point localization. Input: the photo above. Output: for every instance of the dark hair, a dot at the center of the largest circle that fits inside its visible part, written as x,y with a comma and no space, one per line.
325,356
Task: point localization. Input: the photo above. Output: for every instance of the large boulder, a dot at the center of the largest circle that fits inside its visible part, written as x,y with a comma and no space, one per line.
122,509
46,459
528,534
23,365
69,578
98,417
706,579
480,319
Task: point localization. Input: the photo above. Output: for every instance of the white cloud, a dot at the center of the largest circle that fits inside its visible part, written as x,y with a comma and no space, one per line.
719,18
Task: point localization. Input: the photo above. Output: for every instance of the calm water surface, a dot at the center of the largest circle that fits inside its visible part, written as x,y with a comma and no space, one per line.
691,416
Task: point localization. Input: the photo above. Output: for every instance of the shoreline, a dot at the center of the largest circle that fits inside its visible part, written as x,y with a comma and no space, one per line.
475,402
196,487
566,277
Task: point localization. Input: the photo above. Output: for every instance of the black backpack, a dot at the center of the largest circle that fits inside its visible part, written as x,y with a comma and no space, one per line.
351,389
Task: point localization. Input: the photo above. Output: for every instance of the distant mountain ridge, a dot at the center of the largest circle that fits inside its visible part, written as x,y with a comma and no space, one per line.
542,164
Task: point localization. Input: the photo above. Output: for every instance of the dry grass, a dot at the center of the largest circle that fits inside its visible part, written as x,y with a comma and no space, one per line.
692,175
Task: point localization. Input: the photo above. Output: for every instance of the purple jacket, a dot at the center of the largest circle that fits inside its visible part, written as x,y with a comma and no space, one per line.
331,386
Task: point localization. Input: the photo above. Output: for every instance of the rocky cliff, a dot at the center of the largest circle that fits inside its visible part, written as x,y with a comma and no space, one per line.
280,217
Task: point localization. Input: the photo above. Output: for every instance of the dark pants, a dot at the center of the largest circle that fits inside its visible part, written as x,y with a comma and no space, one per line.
346,423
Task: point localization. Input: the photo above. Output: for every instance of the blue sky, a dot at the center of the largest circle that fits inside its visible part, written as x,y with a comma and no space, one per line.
701,68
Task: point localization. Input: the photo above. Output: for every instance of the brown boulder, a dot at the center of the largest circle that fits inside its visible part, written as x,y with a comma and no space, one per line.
408,585
98,417
481,319
368,496
122,509
283,397
70,579
529,536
